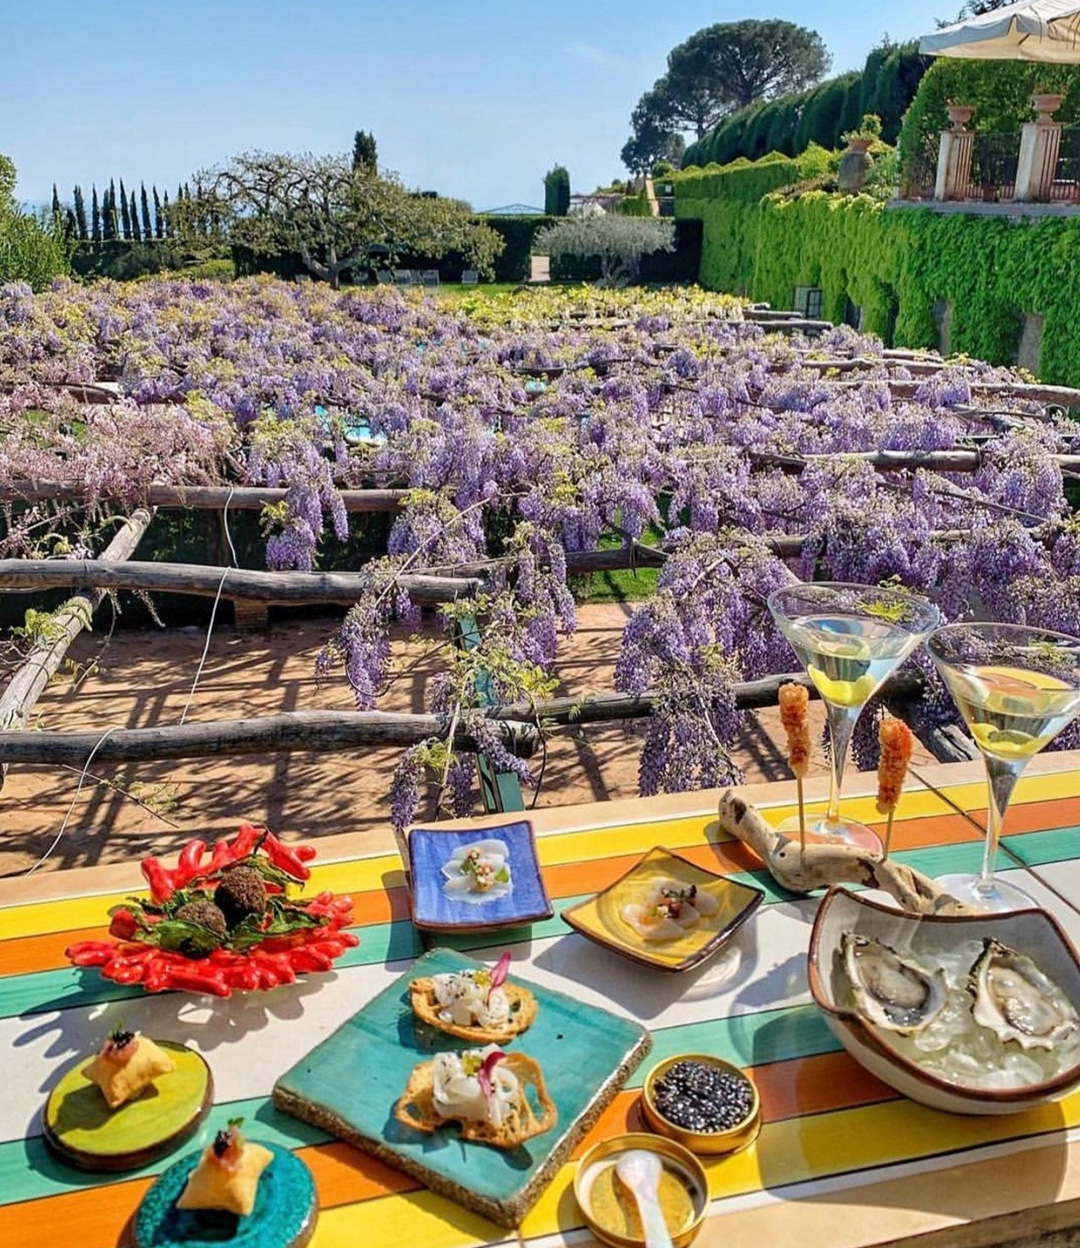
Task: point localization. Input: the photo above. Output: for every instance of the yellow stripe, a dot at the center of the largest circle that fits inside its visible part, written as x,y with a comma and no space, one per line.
555,849
799,1149
415,1218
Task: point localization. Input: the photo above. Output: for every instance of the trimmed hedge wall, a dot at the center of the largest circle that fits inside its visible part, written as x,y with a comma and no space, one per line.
789,124
897,263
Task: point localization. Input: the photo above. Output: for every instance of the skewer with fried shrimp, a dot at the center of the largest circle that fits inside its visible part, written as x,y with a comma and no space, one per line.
897,741
794,716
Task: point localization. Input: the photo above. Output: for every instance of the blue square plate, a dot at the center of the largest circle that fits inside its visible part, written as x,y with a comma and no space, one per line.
350,1083
433,911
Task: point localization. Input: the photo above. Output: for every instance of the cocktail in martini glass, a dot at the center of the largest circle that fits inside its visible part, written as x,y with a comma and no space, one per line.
850,638
1016,688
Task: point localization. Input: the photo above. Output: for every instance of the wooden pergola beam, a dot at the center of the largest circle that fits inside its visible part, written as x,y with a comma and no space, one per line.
202,497
26,575
289,732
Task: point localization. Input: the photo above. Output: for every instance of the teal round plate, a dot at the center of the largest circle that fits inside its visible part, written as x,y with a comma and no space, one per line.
286,1208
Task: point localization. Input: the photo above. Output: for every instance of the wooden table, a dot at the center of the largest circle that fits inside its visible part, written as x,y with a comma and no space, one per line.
841,1161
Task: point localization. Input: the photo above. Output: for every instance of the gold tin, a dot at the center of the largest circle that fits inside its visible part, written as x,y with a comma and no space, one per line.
673,1156
706,1142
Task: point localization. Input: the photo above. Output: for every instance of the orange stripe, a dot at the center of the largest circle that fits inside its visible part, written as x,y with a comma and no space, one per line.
345,1175
27,954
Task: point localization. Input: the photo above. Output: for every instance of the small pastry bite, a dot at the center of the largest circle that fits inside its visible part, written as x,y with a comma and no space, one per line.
227,1176
475,1005
127,1064
485,1090
669,909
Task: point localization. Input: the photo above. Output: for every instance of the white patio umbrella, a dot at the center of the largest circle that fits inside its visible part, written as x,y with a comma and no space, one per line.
1032,30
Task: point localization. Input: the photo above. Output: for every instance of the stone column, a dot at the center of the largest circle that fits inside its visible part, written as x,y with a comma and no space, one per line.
1040,141
954,156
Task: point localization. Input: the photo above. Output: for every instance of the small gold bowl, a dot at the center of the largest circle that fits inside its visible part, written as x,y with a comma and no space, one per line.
675,1159
732,1140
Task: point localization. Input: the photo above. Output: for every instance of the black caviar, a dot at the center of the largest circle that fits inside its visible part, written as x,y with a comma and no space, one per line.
700,1097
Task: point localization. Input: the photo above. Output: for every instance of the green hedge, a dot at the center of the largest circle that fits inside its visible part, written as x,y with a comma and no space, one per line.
999,91
789,124
897,263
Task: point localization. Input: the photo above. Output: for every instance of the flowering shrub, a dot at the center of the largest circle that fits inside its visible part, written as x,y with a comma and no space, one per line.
527,429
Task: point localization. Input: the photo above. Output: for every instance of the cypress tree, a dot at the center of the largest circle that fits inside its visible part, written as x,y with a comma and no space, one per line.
165,216
110,226
71,226
144,204
125,214
95,215
133,215
80,214
364,153
159,219
56,209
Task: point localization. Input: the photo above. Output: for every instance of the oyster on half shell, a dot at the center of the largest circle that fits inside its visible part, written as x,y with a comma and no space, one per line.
890,990
1018,1001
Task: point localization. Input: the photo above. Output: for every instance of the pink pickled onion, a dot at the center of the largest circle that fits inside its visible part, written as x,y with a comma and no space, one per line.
484,1075
498,975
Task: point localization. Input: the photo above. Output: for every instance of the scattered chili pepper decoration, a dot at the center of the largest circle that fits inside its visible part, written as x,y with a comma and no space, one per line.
314,932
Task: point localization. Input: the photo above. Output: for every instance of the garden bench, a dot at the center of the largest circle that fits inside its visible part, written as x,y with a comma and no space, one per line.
429,277
469,277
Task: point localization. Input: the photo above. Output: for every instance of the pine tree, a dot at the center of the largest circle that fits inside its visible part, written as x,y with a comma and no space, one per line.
125,214
80,213
159,217
144,205
110,226
57,211
95,215
133,214
165,216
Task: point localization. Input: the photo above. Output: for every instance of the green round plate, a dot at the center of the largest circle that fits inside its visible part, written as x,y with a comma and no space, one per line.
284,1216
82,1130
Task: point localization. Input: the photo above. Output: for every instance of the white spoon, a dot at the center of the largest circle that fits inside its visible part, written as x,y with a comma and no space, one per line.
640,1171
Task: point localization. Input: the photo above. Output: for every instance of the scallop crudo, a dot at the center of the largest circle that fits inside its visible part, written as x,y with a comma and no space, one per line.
478,872
668,910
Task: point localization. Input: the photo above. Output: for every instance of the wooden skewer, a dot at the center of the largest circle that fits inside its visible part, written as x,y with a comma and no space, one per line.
802,822
888,835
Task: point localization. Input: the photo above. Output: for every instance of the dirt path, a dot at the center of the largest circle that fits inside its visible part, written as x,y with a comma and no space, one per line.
145,679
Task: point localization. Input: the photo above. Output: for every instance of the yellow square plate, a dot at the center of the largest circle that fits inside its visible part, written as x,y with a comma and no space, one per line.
600,918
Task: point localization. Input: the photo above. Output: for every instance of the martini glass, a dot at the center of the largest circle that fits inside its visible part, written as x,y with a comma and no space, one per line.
850,638
1016,688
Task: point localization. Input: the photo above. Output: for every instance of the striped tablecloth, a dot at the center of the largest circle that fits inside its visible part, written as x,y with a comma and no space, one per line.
841,1159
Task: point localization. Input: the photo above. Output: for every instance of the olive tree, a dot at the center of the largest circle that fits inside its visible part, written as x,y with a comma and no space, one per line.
617,242
335,216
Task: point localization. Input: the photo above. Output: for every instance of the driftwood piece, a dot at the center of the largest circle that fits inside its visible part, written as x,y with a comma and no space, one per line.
823,865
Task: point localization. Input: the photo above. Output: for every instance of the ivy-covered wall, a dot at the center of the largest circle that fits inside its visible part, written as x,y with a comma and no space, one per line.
893,263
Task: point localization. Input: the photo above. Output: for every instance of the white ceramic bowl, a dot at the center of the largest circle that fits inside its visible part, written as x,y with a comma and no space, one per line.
1033,932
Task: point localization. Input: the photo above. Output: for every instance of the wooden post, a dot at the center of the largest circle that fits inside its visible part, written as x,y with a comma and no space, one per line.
46,655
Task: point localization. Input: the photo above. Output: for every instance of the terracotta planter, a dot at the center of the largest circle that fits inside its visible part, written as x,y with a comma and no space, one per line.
959,115
1045,105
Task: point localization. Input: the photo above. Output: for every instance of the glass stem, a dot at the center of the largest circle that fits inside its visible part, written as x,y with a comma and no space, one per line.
841,724
1001,778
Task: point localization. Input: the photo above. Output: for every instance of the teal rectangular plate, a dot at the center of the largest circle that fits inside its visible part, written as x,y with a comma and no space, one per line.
349,1085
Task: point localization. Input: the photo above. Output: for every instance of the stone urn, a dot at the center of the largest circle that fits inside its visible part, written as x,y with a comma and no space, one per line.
1045,104
959,115
855,164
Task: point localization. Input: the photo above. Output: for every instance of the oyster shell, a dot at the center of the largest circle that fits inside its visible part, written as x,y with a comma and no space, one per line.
890,990
1018,1001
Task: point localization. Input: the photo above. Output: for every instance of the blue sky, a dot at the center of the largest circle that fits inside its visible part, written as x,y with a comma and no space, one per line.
472,98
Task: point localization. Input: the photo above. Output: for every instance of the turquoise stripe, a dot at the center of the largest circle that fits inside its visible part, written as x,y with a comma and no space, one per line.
41,992
794,1031
1036,849
29,1171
